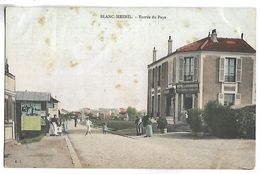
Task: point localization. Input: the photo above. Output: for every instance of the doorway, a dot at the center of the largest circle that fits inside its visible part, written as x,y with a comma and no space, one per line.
170,105
187,101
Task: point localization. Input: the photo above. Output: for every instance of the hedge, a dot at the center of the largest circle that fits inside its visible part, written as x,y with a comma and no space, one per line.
195,119
223,121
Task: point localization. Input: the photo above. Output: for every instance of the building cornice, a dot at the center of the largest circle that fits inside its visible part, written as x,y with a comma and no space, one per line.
200,52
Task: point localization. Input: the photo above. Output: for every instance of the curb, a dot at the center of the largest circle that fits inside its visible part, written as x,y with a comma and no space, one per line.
122,135
73,154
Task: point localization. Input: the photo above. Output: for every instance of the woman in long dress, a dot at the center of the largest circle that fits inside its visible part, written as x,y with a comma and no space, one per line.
149,129
54,126
51,130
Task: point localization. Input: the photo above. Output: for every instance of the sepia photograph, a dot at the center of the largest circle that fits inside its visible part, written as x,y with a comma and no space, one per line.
129,87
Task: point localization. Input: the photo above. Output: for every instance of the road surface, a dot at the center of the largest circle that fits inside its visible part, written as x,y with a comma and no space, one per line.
174,150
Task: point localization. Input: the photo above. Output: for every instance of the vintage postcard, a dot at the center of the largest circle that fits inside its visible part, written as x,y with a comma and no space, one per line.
138,88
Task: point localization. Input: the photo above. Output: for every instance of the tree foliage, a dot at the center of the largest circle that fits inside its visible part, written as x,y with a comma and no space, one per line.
132,113
162,123
223,121
195,120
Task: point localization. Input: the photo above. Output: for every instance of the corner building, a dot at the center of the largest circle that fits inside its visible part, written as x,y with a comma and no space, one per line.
212,68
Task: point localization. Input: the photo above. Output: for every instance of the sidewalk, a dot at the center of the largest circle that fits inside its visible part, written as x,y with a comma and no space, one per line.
50,152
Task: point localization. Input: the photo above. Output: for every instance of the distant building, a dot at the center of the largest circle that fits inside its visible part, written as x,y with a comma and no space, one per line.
9,108
85,111
123,115
64,112
108,113
213,68
34,104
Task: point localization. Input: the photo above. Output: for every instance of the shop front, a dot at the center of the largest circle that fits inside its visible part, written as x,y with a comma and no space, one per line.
188,94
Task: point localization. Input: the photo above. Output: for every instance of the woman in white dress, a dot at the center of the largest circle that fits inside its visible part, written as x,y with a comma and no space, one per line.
54,126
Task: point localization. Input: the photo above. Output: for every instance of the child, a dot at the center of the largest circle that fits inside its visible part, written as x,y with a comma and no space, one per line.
104,128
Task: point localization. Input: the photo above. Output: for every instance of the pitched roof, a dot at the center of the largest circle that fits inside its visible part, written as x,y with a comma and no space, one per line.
223,44
32,96
206,44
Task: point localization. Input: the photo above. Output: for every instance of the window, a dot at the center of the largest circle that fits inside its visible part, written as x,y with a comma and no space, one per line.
153,79
50,105
229,99
188,69
152,105
6,109
159,76
230,70
159,104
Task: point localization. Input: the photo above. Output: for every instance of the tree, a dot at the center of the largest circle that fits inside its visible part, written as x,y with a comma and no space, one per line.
162,123
220,119
132,113
195,120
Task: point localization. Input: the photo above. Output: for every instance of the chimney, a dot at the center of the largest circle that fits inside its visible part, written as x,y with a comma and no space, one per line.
154,54
242,35
169,45
214,36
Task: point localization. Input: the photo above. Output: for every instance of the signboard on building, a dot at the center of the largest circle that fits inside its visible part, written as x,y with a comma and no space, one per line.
30,108
187,88
31,123
170,91
53,111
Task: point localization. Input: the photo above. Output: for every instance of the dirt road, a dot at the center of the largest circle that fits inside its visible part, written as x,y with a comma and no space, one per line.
174,150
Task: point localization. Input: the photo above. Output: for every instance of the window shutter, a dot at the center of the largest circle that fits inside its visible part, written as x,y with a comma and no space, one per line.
150,77
239,70
156,76
196,67
221,69
237,99
181,64
170,66
221,98
173,70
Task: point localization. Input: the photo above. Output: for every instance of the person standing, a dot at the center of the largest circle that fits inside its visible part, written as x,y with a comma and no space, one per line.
47,125
75,121
104,128
149,128
65,125
88,124
137,126
54,123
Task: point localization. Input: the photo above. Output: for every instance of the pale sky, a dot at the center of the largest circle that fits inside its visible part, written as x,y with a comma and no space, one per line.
87,61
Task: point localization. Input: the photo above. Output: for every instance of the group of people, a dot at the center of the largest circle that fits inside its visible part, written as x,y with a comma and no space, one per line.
56,126
144,126
89,124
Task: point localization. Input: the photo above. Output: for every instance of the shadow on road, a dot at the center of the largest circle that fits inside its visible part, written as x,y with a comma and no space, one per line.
83,131
185,135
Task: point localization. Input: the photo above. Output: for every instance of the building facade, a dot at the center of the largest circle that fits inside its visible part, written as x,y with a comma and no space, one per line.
212,68
9,108
31,107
